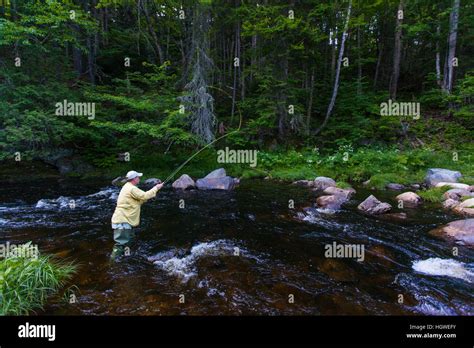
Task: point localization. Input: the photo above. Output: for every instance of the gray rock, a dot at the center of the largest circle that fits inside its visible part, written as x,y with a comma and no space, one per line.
415,186
454,185
215,174
333,202
437,175
459,230
322,182
450,203
465,208
373,206
409,198
347,193
118,181
221,183
184,182
308,183
457,194
395,187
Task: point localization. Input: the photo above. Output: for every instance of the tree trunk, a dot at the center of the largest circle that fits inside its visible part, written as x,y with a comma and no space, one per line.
338,70
236,69
310,103
282,98
155,43
438,68
396,53
253,61
359,64
379,60
453,32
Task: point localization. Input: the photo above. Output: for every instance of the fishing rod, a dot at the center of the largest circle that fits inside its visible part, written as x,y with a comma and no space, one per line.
212,142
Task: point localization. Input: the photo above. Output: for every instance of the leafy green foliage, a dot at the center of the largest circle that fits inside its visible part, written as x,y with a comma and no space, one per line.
434,194
26,283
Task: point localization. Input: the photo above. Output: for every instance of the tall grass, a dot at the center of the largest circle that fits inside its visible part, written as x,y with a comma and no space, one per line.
26,283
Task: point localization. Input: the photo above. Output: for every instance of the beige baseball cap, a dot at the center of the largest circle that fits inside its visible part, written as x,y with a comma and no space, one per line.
132,175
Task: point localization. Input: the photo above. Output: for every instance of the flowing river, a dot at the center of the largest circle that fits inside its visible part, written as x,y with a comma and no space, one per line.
240,253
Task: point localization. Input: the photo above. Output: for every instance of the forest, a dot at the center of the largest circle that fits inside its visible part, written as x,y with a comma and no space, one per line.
299,81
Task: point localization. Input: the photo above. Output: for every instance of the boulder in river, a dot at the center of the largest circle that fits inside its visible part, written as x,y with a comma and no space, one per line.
118,181
450,203
184,182
459,230
308,183
373,206
332,202
395,187
457,194
456,185
322,182
347,193
215,174
437,175
217,180
465,208
410,199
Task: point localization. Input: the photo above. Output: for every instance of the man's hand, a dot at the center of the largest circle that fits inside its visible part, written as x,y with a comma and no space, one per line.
159,186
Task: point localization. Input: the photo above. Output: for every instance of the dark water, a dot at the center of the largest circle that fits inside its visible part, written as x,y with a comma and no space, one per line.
195,252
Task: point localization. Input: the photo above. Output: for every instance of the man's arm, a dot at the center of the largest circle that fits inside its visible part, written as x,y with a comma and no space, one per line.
143,196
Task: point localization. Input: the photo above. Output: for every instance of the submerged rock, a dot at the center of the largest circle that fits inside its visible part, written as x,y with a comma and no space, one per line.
337,270
437,175
395,216
395,187
322,182
373,206
459,230
409,199
184,182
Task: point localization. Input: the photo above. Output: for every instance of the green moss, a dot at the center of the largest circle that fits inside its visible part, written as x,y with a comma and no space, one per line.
343,185
292,174
252,173
469,180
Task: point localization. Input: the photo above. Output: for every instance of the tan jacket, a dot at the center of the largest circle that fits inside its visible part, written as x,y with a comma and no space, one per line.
129,202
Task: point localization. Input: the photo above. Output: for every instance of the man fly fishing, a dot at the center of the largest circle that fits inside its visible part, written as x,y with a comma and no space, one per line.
127,212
